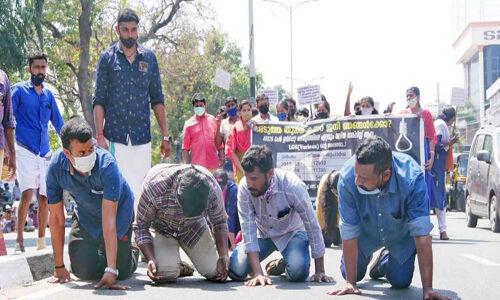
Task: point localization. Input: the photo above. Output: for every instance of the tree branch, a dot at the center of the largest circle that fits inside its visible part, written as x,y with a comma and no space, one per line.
152,31
57,34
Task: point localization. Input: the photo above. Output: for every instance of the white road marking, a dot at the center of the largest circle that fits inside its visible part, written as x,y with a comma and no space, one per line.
481,260
56,289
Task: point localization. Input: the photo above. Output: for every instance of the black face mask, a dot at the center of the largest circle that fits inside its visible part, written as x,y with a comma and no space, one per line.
322,115
128,43
37,80
264,109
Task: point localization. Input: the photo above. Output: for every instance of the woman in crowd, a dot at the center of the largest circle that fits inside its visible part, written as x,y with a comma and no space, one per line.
327,211
238,140
282,111
322,110
438,172
413,102
367,107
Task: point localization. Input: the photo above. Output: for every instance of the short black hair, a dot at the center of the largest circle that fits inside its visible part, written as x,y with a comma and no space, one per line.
221,177
192,192
447,113
198,97
415,90
357,103
37,54
255,111
75,129
303,112
261,96
258,156
230,99
127,15
375,151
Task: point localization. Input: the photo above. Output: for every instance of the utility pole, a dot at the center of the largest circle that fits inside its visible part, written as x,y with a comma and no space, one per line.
251,54
290,7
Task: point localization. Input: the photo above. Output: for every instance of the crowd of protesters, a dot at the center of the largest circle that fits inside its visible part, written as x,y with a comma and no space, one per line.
226,196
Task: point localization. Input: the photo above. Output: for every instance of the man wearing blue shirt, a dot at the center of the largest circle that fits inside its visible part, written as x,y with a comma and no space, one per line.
100,237
383,204
33,106
127,84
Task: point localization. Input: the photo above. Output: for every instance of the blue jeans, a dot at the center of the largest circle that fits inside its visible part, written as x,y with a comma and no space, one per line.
296,256
398,275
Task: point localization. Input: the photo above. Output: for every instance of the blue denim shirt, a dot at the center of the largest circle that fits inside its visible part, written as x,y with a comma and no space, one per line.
32,113
126,92
104,181
390,219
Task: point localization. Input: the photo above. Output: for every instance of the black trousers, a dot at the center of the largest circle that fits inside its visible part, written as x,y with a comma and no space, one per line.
88,255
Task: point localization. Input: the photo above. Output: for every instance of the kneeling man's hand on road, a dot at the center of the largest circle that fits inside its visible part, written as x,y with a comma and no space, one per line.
346,290
153,271
61,275
222,269
259,280
321,277
109,280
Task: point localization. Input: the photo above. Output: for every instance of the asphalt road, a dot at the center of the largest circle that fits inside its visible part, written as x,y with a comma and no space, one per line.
466,267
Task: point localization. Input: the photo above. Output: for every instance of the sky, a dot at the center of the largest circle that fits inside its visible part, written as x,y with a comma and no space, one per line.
382,47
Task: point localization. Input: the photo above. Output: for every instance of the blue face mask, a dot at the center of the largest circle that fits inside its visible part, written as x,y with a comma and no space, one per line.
281,116
232,112
365,192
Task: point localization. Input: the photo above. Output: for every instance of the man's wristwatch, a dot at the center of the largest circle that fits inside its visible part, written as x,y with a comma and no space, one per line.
166,138
111,270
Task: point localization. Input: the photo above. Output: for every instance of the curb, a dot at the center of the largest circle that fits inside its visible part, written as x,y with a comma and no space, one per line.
24,269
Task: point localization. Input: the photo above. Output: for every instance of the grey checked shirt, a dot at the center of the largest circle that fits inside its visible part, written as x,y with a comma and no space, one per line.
289,193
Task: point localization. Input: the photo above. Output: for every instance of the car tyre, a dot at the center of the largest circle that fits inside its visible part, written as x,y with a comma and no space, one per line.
471,219
494,218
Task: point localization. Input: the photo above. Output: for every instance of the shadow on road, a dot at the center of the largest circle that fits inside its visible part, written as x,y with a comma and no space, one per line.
381,289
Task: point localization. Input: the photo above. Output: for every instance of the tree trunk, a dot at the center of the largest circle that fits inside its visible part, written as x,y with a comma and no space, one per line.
83,76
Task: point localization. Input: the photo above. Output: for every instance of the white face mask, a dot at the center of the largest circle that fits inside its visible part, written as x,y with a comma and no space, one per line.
85,163
412,102
365,192
367,111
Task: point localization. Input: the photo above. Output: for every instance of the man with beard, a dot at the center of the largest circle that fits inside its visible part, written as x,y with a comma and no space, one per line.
127,84
33,105
276,203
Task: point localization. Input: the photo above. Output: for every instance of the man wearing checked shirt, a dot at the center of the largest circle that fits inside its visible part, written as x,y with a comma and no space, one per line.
383,204
276,203
127,84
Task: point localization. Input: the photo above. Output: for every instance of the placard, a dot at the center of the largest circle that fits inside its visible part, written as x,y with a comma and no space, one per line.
222,79
309,94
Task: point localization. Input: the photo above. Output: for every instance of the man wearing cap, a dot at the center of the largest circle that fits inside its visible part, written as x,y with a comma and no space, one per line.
127,84
175,201
202,137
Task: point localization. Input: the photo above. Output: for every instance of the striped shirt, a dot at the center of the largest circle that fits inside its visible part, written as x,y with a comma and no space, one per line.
159,208
278,214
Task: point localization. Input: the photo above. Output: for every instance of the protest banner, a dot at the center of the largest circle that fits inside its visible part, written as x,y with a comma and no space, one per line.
319,147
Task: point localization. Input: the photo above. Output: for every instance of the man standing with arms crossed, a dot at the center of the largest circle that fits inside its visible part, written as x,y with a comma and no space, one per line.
127,84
